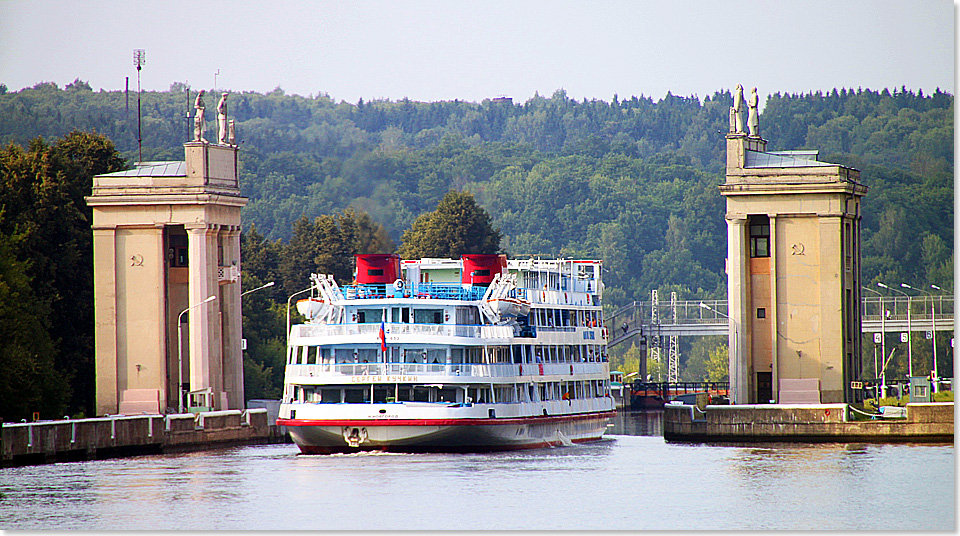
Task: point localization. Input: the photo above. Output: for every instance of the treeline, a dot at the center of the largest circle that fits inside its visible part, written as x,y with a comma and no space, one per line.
631,181
46,274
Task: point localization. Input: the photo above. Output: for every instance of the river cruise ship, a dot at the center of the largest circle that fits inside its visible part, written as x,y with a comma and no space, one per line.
471,354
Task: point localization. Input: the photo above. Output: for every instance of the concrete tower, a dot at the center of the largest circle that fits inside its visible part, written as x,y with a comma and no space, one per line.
793,272
166,236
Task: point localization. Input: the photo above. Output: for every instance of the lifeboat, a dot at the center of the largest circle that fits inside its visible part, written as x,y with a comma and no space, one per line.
312,307
510,306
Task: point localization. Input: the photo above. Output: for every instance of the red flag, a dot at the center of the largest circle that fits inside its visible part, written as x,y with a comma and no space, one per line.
383,338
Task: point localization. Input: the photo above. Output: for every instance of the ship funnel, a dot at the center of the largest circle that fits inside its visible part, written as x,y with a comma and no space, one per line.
480,269
377,269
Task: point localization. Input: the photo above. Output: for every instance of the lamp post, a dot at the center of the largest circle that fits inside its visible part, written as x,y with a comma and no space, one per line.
736,344
883,333
933,328
909,337
180,350
308,289
936,374
270,284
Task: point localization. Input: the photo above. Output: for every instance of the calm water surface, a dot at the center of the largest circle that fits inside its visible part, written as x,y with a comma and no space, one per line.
632,480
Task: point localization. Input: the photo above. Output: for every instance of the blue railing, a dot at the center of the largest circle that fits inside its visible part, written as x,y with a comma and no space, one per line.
441,291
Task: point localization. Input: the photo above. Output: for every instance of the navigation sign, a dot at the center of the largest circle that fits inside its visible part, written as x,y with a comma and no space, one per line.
929,334
877,338
856,385
904,337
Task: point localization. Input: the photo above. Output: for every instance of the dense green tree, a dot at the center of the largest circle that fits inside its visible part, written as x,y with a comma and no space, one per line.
41,197
458,226
29,380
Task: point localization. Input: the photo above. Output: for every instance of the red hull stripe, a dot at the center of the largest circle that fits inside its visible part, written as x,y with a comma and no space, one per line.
442,422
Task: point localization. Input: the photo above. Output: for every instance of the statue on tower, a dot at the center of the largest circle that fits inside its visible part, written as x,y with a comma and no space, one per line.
222,120
736,124
199,123
753,118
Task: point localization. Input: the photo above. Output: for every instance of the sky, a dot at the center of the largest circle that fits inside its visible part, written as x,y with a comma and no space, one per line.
472,50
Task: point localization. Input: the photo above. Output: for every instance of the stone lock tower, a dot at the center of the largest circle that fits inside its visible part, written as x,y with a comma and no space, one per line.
166,237
793,271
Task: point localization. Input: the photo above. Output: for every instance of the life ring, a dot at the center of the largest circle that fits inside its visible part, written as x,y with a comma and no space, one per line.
398,284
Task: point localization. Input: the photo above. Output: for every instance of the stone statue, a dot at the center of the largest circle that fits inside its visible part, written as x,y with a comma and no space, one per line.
737,108
199,123
232,136
753,119
222,120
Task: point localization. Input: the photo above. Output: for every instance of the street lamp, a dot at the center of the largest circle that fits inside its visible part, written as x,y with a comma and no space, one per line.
270,284
735,353
932,311
933,328
909,338
180,349
883,333
311,287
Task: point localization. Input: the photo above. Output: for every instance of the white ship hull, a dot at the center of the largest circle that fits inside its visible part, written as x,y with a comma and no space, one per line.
445,435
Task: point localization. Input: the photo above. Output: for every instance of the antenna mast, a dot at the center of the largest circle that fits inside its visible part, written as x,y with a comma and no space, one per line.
139,59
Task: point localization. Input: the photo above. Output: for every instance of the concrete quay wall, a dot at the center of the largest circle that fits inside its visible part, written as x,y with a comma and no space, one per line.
924,422
117,436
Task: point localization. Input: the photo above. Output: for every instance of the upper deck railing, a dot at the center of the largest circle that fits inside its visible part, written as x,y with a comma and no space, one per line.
404,372
393,329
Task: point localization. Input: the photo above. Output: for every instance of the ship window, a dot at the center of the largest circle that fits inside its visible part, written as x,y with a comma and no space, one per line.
428,316
447,394
761,312
329,396
375,271
456,355
368,355
480,273
369,316
421,394
759,236
383,394
356,395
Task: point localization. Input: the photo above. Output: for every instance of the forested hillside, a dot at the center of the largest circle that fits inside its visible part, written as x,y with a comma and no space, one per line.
632,181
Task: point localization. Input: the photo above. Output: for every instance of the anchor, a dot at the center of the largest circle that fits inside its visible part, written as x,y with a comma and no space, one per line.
354,436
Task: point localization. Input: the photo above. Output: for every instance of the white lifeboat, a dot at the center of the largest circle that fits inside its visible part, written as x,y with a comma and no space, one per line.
509,306
312,307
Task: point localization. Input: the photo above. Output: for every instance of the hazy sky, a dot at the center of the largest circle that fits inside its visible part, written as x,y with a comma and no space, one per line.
442,50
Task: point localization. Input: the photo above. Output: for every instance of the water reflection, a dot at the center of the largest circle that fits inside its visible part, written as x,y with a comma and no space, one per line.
637,423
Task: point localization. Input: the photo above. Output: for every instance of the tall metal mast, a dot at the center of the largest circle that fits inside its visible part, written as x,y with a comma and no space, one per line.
139,59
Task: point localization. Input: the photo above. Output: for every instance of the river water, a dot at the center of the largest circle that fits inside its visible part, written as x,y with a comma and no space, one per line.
631,480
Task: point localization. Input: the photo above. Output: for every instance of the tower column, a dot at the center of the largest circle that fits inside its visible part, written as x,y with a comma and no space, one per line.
232,362
736,283
105,327
199,288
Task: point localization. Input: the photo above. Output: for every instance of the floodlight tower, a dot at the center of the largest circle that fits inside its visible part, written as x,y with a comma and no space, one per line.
139,59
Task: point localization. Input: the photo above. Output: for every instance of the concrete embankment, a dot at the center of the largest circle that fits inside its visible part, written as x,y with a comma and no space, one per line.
924,422
118,435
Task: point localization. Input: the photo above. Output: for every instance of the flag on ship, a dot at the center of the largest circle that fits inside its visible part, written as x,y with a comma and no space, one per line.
383,338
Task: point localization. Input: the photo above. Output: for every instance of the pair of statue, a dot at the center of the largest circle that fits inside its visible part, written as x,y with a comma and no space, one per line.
199,124
753,115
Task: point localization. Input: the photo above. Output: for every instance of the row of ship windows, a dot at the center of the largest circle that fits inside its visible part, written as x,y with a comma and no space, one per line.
565,318
548,353
480,394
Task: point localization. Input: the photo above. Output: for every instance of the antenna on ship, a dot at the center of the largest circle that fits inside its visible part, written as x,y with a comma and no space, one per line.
139,59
